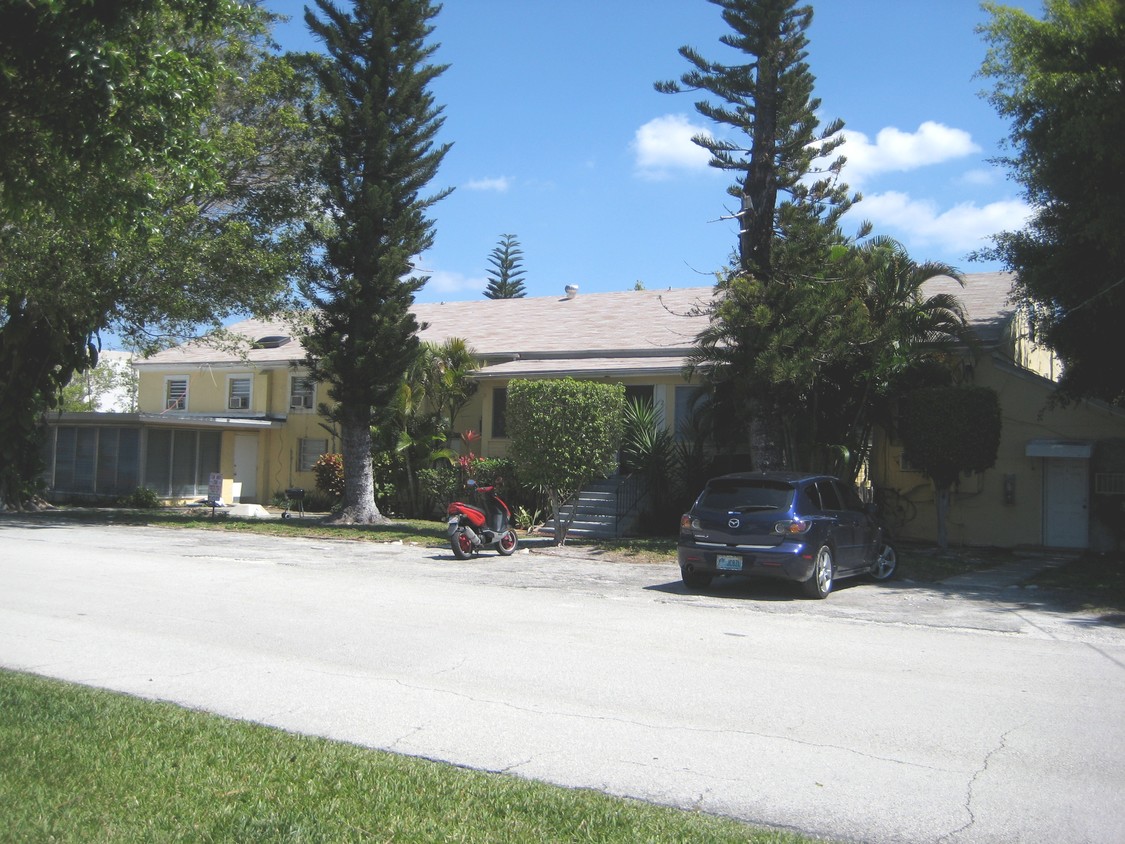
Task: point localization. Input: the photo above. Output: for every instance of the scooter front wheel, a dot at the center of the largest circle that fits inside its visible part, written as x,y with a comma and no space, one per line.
461,544
507,544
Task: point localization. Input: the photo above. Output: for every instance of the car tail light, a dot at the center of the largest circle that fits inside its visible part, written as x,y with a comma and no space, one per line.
688,523
792,527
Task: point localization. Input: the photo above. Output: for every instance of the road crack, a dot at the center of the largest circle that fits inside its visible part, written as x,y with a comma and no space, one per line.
970,788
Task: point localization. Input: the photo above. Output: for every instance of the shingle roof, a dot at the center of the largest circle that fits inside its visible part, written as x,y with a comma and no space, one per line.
653,328
986,298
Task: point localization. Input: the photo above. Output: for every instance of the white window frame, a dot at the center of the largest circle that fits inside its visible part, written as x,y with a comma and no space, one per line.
309,450
311,397
180,402
249,397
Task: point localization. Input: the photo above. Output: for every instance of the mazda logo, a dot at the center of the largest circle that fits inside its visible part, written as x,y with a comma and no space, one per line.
733,523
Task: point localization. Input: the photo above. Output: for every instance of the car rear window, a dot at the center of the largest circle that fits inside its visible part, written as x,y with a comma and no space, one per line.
746,495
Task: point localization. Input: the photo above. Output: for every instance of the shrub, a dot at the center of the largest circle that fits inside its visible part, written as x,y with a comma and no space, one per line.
443,484
329,473
142,498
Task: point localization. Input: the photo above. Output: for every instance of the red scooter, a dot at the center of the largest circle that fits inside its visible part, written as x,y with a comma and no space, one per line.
472,529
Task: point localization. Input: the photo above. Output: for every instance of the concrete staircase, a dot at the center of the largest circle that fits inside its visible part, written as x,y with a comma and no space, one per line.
596,513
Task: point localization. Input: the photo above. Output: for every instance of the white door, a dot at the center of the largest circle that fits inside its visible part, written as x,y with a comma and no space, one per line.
1066,503
246,465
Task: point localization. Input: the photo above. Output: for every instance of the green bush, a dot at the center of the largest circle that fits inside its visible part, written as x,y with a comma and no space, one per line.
443,484
329,473
142,498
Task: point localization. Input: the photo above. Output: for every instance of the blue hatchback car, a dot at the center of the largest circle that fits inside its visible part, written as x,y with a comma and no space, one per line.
808,528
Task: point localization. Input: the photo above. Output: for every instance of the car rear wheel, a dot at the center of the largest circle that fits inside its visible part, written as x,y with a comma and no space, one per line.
820,584
886,563
694,579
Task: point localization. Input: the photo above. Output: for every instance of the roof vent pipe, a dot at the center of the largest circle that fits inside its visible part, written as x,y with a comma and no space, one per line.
571,291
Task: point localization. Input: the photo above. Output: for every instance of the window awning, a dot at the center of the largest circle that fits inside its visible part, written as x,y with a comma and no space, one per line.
1060,448
188,420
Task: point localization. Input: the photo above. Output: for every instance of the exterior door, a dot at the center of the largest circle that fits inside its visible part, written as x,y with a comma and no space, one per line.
246,465
1066,503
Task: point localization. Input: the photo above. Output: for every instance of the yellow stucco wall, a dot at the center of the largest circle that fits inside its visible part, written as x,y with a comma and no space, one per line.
277,447
981,513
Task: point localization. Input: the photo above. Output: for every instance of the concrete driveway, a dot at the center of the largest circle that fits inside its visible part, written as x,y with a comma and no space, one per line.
973,712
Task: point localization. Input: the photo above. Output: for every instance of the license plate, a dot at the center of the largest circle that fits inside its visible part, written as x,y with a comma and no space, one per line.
452,524
729,563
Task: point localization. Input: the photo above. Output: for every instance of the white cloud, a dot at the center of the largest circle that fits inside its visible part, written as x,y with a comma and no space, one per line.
979,177
500,184
450,284
962,228
895,150
664,144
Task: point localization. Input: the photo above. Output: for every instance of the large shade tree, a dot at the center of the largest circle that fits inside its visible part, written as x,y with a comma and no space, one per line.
1060,82
379,123
150,169
788,198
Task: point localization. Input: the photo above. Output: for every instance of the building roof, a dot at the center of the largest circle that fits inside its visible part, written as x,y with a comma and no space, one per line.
604,323
986,297
651,331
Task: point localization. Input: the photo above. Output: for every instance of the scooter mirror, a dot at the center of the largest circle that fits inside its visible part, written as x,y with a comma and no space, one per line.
470,483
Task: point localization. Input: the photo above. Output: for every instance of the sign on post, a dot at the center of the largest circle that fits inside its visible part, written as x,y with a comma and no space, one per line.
214,489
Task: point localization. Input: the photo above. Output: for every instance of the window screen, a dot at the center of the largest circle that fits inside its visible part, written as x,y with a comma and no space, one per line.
175,397
239,394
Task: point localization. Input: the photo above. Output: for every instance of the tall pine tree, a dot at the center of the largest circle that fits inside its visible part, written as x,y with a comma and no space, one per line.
380,124
789,198
505,279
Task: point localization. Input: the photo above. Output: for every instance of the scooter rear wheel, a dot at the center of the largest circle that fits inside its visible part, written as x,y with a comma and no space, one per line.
461,544
507,544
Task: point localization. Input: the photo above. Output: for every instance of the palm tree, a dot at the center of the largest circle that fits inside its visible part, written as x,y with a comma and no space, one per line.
829,352
906,340
436,387
444,370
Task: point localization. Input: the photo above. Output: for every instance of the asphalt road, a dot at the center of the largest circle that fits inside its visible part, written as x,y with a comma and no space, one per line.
887,713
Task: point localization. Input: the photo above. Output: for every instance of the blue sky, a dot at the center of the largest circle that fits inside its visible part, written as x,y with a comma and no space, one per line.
560,139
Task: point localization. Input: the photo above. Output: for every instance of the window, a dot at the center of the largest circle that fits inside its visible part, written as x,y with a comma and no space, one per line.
643,393
105,461
238,393
829,496
301,393
179,463
308,452
730,494
175,394
500,412
689,402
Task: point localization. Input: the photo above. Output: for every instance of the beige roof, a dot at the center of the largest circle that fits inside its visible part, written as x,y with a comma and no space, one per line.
631,321
986,298
636,330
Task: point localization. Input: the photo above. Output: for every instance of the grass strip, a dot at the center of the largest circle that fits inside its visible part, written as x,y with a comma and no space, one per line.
83,765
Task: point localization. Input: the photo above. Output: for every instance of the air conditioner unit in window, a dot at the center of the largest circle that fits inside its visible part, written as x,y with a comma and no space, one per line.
239,402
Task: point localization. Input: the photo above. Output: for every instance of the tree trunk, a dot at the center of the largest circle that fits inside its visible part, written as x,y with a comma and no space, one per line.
359,480
943,517
557,503
767,440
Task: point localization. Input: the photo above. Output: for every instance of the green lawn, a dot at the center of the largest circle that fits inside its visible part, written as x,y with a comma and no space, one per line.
82,765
